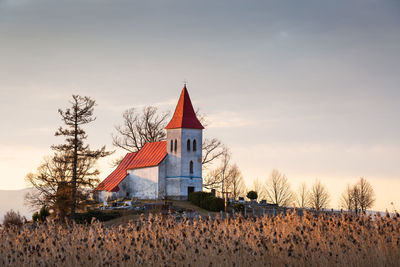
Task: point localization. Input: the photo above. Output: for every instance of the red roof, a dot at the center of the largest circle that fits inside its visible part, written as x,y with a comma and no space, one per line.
111,183
184,116
151,154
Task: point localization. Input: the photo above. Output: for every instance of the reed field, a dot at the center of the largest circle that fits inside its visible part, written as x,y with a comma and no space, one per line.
284,240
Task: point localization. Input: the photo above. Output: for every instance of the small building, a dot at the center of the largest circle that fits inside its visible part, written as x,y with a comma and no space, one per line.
169,169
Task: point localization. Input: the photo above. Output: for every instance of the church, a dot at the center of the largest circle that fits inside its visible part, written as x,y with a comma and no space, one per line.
167,169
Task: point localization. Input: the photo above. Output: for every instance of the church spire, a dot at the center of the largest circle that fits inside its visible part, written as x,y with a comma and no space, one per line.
184,115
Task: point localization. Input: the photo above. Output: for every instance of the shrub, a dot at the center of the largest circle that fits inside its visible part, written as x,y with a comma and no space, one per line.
12,218
41,215
35,216
198,197
216,204
238,207
101,216
207,201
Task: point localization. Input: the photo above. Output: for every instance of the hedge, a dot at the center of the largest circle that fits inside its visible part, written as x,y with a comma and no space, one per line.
207,201
101,216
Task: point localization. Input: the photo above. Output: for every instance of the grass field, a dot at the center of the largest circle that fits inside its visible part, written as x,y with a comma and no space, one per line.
289,240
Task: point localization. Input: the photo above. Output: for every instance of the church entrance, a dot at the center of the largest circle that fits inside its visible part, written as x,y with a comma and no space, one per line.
190,190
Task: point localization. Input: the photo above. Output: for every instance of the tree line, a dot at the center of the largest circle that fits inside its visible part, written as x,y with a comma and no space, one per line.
228,181
65,179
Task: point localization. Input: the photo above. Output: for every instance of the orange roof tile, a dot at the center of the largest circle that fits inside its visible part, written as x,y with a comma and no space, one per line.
184,115
151,154
110,184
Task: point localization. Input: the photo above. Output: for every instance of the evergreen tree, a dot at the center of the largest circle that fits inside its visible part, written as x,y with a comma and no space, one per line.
74,151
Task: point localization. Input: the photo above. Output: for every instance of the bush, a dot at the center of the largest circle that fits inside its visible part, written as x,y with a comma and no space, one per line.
35,217
98,214
41,215
12,218
207,201
238,207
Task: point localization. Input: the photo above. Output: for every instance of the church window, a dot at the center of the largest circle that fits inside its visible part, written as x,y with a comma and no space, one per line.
194,145
172,146
176,145
188,145
191,167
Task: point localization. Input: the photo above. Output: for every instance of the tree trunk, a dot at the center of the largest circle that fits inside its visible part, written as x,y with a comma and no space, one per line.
74,167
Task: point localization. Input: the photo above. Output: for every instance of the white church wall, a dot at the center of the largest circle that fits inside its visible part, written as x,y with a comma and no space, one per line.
174,157
177,188
143,183
162,173
195,156
124,191
178,162
178,177
102,196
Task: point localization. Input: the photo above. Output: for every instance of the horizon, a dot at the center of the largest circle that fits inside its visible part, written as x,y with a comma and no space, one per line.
315,97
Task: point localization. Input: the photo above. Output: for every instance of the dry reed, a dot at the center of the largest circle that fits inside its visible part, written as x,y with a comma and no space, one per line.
290,240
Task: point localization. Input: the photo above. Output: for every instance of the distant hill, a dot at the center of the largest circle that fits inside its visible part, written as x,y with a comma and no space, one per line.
14,199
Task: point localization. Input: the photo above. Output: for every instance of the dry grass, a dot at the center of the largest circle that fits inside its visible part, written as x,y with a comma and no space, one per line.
270,241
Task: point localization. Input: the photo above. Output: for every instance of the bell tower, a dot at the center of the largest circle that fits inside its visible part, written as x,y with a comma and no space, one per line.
184,148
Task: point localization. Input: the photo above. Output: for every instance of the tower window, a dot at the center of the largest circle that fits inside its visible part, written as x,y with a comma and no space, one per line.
194,145
191,167
172,146
176,145
188,145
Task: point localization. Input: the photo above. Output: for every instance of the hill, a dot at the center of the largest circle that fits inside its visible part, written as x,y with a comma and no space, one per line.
14,199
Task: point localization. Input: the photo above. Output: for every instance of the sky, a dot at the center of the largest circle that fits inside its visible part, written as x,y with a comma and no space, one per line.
311,88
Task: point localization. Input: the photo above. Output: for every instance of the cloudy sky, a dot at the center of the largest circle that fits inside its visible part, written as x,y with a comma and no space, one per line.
311,88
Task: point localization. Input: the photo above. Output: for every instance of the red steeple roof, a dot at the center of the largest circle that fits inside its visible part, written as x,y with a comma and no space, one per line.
184,116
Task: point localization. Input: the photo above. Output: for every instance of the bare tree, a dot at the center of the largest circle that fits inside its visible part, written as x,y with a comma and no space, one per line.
224,171
366,194
212,150
139,128
347,198
226,179
278,189
52,183
319,196
303,196
358,197
258,188
235,182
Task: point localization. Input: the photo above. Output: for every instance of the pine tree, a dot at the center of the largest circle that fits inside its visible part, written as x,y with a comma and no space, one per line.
74,151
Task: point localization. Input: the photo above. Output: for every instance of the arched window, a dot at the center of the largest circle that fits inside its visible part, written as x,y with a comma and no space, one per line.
194,145
176,145
172,146
191,167
188,145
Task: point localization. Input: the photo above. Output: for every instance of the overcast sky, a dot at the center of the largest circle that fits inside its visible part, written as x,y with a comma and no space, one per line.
311,88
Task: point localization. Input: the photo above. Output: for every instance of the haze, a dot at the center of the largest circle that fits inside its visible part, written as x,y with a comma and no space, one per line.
310,88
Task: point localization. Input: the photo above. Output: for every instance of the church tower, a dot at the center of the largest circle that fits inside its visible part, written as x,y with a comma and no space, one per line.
184,148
